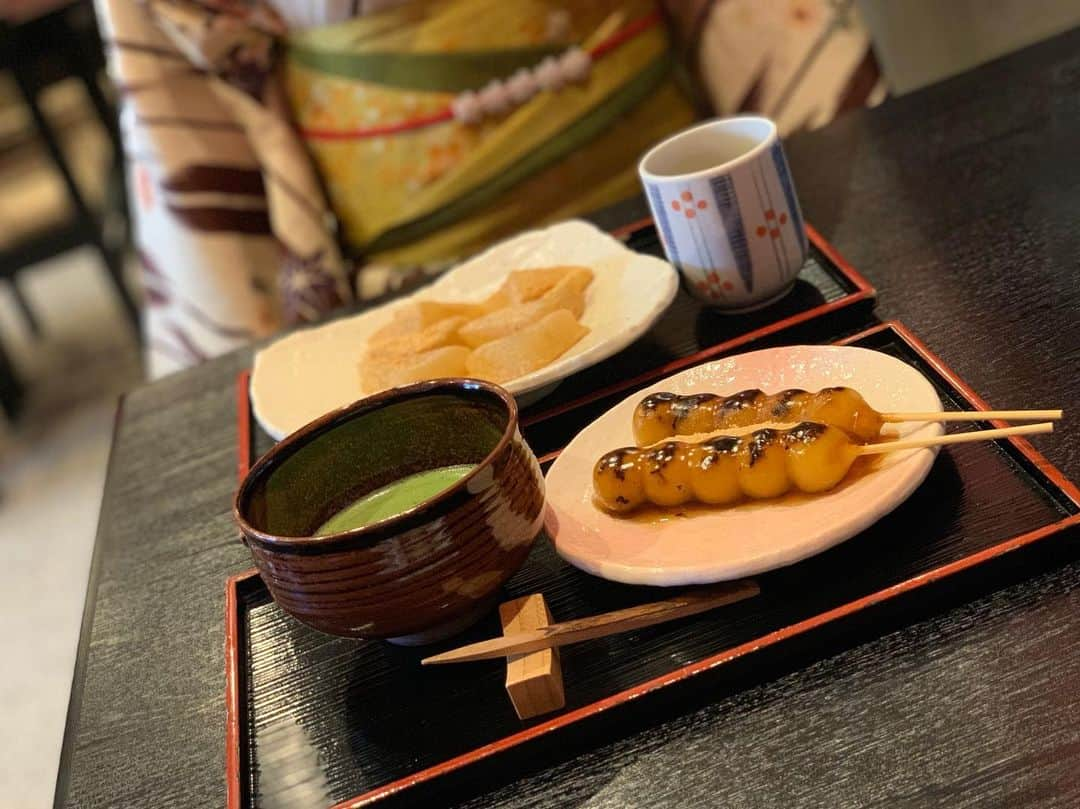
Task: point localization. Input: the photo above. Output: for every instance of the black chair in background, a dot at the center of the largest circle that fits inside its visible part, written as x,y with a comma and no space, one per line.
38,53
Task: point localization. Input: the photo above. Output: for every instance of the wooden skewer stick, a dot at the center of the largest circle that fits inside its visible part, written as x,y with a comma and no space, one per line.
956,438
975,415
599,626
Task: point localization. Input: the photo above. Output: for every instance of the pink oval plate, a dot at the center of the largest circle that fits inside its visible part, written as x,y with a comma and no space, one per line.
707,545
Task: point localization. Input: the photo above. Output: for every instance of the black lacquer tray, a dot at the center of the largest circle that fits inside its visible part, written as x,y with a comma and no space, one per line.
315,720
829,297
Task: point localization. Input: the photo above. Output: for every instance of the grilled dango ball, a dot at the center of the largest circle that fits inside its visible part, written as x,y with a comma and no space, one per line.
725,469
663,415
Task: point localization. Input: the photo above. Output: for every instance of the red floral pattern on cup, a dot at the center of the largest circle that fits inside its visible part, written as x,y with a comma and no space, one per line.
689,206
771,227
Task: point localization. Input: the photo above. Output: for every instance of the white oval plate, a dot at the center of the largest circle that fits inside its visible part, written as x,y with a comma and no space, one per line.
709,546
313,371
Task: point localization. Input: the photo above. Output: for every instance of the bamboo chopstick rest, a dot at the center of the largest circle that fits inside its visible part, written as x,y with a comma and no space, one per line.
533,679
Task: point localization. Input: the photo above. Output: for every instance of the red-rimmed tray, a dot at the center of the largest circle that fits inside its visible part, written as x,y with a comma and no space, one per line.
829,297
355,723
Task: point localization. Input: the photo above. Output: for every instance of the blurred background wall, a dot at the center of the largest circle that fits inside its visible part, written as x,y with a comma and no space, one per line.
919,42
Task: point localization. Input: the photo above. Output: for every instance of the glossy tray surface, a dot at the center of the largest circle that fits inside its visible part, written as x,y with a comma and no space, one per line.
355,722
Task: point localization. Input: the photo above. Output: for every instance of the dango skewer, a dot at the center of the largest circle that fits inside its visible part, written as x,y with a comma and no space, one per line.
663,415
725,469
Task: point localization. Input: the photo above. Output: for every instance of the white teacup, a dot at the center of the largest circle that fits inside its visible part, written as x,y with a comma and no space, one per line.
724,204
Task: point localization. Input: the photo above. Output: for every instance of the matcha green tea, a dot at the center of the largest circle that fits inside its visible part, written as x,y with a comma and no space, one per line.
394,498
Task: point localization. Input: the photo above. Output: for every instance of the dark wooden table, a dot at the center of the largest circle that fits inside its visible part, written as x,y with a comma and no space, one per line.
960,203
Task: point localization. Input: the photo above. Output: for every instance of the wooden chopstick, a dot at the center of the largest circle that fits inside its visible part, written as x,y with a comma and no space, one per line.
598,626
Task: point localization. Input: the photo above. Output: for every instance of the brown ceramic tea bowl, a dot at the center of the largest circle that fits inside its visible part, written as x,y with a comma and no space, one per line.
420,575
